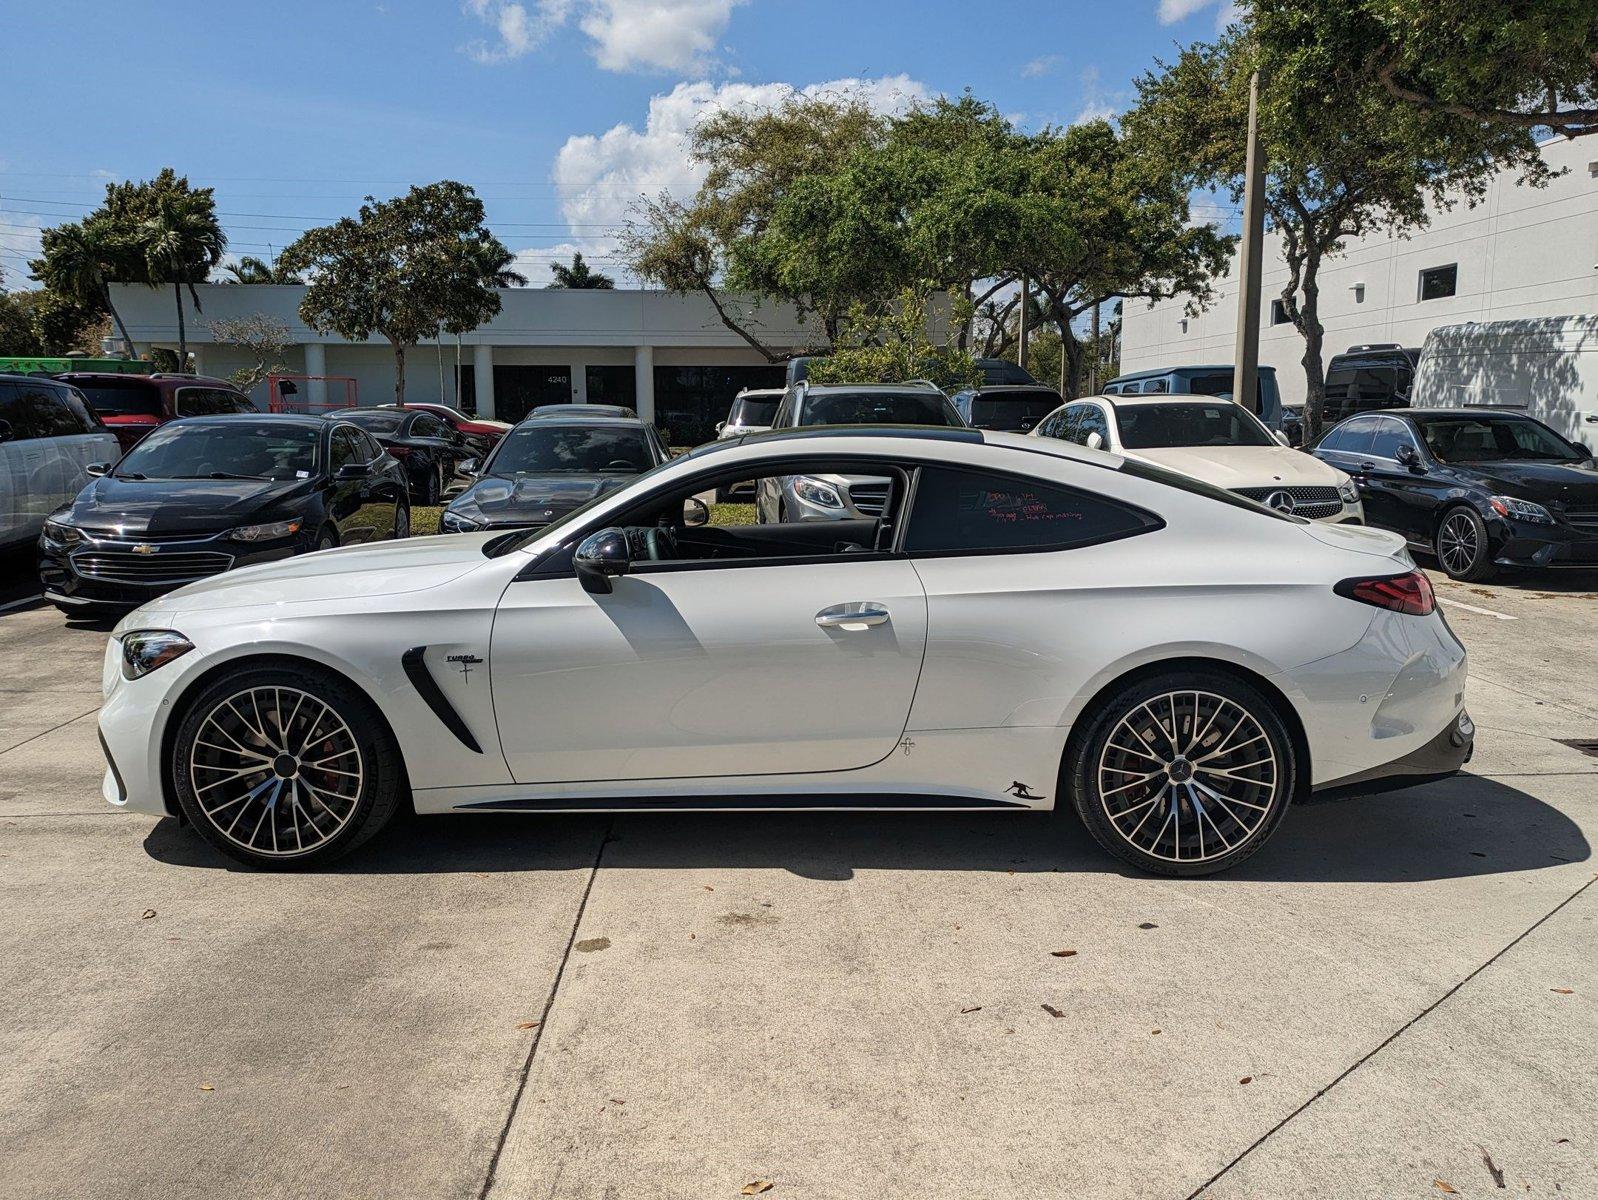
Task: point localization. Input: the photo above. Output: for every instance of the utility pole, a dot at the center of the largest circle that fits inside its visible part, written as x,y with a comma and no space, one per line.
1026,304
1246,357
1093,370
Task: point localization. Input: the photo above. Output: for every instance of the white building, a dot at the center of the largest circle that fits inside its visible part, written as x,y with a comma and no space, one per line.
1522,252
670,357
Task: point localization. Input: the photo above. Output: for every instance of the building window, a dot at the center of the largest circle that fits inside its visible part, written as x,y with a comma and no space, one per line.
1437,283
690,400
1278,313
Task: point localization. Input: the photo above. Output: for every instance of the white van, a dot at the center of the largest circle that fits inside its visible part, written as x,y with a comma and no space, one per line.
1545,367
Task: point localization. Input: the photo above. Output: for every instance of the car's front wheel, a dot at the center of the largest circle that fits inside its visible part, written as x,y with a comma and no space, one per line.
1183,774
1462,546
285,767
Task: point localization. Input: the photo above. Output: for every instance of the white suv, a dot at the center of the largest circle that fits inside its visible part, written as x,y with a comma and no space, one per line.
753,410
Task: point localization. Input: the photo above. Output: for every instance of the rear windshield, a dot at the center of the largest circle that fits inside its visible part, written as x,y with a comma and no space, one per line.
1012,410
234,450
1148,426
1210,385
571,449
375,422
879,408
130,398
754,410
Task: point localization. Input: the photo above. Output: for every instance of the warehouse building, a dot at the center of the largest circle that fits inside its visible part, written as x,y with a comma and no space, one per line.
668,356
1522,252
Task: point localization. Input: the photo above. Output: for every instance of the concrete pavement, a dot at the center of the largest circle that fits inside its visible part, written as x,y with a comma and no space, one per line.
842,1006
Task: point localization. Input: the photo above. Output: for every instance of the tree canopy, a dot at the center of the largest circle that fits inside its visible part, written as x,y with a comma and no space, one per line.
579,276
407,268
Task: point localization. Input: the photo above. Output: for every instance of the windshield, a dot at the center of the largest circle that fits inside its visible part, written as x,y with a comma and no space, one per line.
235,450
879,408
578,449
134,398
1015,410
754,410
1149,426
1494,439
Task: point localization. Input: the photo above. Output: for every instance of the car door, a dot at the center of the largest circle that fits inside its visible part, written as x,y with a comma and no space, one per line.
712,667
1396,496
347,493
1347,447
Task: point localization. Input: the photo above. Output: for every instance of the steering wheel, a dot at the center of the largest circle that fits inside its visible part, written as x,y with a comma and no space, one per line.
660,543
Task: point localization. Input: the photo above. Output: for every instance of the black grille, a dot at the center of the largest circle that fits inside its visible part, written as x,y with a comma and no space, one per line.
870,498
1311,502
112,535
1583,513
123,566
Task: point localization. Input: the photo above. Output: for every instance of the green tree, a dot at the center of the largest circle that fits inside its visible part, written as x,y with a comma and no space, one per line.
404,268
17,334
1528,65
1341,161
250,269
181,240
78,261
579,276
890,343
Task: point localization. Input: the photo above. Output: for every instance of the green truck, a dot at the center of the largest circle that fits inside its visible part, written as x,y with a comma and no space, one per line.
30,365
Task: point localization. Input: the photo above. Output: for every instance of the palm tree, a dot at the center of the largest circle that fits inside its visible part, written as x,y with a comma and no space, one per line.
579,276
77,258
250,269
182,242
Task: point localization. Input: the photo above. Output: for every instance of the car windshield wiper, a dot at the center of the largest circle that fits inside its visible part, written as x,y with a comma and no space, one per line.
228,475
129,475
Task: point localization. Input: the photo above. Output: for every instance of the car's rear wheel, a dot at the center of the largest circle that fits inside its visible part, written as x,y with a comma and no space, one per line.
285,767
432,487
1462,546
1183,774
402,522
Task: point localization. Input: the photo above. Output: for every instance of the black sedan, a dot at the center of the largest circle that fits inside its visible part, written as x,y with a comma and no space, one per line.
546,467
1480,489
205,494
430,451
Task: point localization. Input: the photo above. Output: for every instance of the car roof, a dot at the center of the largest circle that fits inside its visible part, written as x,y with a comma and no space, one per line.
17,377
1009,387
603,420
917,387
152,377
302,419
1185,369
1158,398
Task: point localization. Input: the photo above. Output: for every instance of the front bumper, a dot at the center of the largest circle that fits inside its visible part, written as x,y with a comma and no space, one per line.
1439,758
1522,544
102,573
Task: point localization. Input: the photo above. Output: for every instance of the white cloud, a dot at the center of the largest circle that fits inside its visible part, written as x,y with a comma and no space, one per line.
1097,103
518,31
1226,11
666,35
1041,65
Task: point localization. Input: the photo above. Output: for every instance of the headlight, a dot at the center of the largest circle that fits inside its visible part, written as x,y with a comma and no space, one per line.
1348,491
60,531
266,533
453,522
144,650
814,491
1520,510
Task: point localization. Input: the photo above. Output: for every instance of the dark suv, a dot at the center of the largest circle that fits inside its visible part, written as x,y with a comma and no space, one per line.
133,405
1365,378
1015,408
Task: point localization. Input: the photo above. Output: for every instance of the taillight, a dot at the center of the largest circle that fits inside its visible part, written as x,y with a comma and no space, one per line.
398,451
1411,593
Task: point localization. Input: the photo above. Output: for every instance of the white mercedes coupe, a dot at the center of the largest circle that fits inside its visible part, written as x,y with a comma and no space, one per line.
1024,623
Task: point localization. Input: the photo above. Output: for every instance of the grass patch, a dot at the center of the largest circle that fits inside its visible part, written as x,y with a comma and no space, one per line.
424,521
732,514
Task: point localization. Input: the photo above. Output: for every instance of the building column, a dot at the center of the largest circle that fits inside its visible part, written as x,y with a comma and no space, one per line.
315,389
644,382
483,379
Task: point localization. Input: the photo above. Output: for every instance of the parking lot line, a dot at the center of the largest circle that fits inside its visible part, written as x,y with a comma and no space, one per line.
1486,612
20,603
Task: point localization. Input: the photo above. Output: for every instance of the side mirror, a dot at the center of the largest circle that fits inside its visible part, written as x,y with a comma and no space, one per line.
1281,437
1095,440
695,512
1585,449
6,432
96,470
468,466
1409,456
601,556
353,470
720,425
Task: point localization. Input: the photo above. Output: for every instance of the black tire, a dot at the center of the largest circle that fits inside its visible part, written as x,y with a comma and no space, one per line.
402,522
337,816
432,486
1462,546
326,538
1198,706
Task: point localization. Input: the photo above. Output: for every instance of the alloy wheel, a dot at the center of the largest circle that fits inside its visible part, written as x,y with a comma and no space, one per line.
1458,543
1188,776
276,771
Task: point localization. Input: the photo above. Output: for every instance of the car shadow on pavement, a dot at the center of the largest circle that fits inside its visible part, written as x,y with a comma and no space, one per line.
1465,826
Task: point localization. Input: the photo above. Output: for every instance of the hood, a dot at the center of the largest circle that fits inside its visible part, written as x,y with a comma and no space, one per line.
1234,467
1544,482
134,506
532,499
350,572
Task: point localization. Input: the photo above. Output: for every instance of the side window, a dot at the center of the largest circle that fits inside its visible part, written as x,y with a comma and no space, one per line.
1355,436
345,448
1093,421
37,411
1390,435
429,426
1156,385
206,402
1071,423
974,512
1053,425
84,418
367,445
1112,389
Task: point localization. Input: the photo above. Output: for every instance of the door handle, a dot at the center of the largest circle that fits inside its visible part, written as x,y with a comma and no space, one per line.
1366,467
855,615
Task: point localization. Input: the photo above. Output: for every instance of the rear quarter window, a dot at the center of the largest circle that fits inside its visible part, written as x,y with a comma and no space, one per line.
980,512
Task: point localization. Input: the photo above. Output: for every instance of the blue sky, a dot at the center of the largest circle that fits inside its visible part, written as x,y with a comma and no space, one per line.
559,112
